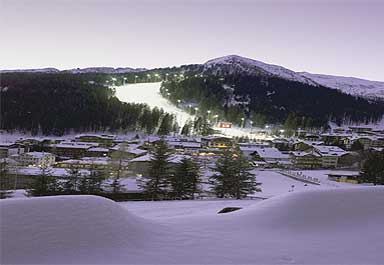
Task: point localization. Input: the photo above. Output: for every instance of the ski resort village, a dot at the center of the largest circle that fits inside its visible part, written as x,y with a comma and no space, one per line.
191,132
149,173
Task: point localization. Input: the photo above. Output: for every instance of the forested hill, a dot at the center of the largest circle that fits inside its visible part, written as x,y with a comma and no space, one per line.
54,103
266,98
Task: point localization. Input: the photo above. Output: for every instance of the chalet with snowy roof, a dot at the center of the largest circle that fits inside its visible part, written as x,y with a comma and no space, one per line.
71,149
127,151
281,144
95,163
104,140
185,147
344,176
329,155
269,155
217,141
306,160
334,138
140,166
9,149
23,177
39,159
360,129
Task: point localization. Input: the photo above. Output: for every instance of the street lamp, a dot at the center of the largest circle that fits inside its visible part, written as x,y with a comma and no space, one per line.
251,122
148,77
217,118
136,78
242,122
196,110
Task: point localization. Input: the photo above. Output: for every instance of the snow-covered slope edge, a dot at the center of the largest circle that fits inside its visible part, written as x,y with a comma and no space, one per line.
233,64
349,85
238,64
339,226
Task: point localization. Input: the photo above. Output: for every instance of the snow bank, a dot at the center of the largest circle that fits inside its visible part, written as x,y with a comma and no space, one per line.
65,229
338,226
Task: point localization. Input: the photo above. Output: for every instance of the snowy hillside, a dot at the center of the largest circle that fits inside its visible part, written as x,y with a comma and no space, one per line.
238,64
42,70
349,85
233,64
341,226
149,93
105,70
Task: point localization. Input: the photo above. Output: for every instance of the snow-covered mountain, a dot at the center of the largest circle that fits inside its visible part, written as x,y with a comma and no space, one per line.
234,64
40,70
105,70
349,85
102,70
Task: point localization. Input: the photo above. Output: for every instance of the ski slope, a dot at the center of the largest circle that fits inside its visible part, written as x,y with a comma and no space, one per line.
339,226
149,93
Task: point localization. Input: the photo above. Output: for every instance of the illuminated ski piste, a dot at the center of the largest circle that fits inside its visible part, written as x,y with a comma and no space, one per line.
149,93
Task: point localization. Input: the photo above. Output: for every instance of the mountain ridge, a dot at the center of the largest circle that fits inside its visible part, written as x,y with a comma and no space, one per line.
235,64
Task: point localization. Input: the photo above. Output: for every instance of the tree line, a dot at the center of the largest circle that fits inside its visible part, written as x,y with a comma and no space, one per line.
268,99
59,103
232,177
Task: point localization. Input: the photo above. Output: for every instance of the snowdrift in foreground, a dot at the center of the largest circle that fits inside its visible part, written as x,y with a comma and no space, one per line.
65,228
340,226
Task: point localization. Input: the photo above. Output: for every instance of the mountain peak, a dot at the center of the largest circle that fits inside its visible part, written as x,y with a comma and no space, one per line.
235,64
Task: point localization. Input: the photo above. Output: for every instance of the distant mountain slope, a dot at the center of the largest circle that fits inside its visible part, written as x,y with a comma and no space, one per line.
234,64
349,85
40,70
100,70
105,70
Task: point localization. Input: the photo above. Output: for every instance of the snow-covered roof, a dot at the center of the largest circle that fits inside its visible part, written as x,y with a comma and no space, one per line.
37,154
98,149
173,159
185,144
301,154
266,152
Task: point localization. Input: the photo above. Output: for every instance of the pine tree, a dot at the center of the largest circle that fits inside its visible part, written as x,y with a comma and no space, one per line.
91,183
44,183
156,184
224,167
5,185
233,177
244,181
373,169
118,161
186,180
72,182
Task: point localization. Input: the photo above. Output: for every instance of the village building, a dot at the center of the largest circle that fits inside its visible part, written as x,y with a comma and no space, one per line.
329,155
9,149
344,176
217,141
104,140
140,166
306,160
94,163
38,159
71,149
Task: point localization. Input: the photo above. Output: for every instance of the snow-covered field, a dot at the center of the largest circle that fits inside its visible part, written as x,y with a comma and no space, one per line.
333,226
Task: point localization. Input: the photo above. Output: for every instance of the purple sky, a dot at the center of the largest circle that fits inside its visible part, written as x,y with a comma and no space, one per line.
330,36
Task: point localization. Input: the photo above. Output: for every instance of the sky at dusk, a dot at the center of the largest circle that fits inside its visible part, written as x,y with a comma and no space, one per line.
329,37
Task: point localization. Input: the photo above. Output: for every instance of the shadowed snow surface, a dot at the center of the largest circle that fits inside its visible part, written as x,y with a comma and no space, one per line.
338,226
